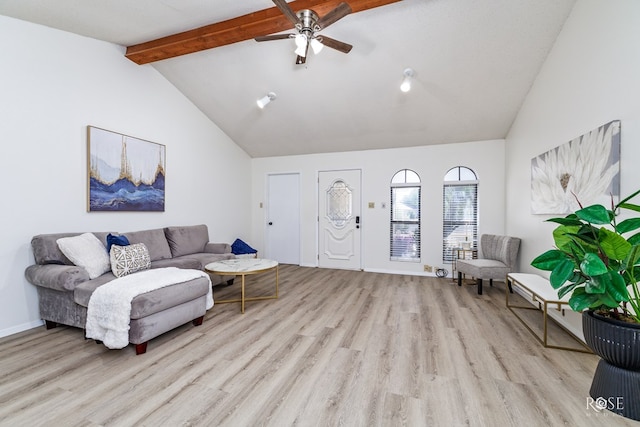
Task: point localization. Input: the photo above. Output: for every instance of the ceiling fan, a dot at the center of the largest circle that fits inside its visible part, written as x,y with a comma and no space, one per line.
307,23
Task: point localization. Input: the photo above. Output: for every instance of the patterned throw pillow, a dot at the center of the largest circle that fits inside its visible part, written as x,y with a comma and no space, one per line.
129,259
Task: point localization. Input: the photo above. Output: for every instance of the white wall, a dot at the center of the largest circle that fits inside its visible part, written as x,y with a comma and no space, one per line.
486,158
52,85
592,76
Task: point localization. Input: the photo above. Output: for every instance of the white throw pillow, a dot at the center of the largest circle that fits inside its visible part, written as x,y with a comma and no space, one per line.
129,259
86,251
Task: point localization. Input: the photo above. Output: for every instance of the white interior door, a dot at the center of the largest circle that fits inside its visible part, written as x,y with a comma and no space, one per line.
283,218
339,219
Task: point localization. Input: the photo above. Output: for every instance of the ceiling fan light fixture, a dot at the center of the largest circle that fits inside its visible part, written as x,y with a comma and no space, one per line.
301,45
301,51
301,40
406,81
262,102
316,45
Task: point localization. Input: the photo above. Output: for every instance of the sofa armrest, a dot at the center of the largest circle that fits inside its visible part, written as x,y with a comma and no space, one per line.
58,277
217,248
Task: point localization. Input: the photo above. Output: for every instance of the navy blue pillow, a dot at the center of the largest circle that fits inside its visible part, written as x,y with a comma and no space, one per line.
119,240
240,248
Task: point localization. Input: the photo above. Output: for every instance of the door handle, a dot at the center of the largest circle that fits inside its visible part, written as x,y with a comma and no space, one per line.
270,223
357,221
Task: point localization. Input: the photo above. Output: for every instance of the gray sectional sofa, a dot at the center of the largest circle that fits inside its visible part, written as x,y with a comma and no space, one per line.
64,289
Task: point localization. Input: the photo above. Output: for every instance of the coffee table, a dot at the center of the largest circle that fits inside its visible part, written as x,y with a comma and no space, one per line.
243,267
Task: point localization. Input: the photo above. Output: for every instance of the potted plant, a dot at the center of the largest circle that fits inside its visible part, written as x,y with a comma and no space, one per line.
596,261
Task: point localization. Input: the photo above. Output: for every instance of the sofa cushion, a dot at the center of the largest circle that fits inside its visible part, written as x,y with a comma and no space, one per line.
205,258
181,262
86,251
170,296
129,259
150,302
83,291
155,241
187,240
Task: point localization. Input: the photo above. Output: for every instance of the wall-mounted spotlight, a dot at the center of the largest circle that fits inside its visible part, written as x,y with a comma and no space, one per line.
262,102
406,82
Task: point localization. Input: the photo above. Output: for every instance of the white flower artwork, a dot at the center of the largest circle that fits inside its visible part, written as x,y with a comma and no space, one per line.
586,168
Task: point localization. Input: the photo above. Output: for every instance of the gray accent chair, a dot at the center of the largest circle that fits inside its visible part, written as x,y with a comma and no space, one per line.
497,258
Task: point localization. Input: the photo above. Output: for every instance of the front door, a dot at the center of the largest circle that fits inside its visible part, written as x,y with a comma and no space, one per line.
339,219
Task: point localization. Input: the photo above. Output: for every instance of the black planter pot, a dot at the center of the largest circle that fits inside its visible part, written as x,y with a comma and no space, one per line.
616,342
617,378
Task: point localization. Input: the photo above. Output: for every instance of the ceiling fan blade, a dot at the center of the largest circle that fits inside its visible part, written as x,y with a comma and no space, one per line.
287,11
335,44
339,12
274,37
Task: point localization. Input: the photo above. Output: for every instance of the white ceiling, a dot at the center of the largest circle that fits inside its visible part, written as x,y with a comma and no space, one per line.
475,61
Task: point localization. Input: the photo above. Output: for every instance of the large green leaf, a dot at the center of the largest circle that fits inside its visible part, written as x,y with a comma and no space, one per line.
580,300
628,225
592,265
630,206
623,202
632,259
635,239
595,214
607,300
564,236
561,273
566,289
597,284
549,260
568,220
618,288
614,245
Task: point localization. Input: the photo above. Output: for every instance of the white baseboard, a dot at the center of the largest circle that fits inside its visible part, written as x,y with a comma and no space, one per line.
20,328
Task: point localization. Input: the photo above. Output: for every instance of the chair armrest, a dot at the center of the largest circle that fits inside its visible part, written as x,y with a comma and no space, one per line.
58,277
217,248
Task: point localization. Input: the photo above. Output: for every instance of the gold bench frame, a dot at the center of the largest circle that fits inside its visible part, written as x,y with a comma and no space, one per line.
543,305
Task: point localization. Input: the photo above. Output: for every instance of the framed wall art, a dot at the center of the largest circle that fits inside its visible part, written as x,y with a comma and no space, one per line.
124,173
585,169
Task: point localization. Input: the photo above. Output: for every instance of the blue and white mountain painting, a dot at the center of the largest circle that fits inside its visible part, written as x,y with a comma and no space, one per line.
125,173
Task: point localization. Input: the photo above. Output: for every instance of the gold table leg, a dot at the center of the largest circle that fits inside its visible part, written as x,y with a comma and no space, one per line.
242,297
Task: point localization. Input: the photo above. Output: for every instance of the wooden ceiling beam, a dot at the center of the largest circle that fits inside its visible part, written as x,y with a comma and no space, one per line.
246,27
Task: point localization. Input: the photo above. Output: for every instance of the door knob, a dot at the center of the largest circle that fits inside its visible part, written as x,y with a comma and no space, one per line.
270,223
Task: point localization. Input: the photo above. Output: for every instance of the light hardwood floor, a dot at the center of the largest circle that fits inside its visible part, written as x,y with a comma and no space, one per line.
338,348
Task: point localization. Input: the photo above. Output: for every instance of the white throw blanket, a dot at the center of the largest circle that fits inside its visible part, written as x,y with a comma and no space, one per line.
109,309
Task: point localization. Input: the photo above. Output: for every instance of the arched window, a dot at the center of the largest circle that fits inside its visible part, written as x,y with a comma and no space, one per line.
405,216
459,211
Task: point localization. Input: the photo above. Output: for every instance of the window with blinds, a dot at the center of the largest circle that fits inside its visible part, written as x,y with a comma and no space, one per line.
459,211
405,216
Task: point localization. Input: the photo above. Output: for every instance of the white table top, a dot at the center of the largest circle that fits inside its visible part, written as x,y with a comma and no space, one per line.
241,265
539,285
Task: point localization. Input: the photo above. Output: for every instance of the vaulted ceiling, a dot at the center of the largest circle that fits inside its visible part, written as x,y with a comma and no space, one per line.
474,63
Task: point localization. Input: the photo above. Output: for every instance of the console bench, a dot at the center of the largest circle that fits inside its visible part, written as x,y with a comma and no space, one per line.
540,290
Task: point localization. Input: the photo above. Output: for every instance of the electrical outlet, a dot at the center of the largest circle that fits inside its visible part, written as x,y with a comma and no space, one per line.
428,268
